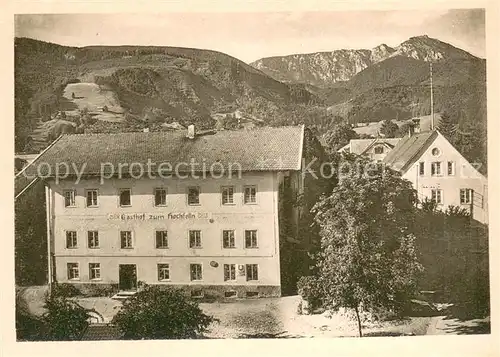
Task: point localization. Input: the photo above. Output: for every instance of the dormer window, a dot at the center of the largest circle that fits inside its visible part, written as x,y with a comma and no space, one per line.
379,150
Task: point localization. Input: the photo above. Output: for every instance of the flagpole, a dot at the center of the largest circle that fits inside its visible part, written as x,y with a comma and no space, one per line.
432,100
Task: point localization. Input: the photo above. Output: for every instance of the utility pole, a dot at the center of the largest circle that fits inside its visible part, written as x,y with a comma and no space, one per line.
432,99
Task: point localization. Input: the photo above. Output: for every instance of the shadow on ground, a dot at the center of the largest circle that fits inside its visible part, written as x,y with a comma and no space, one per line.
386,334
268,335
477,328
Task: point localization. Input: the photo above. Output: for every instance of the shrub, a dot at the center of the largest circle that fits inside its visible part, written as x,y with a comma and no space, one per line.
309,289
156,313
65,289
98,290
28,326
65,319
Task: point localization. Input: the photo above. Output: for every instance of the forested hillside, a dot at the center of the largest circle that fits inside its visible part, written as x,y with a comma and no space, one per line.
168,87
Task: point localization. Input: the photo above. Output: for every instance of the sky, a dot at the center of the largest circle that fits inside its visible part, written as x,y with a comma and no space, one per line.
250,36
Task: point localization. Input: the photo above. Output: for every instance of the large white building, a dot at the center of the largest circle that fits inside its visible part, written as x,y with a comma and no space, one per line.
440,173
194,211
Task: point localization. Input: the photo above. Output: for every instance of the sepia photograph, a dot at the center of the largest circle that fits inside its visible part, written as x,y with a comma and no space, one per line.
251,175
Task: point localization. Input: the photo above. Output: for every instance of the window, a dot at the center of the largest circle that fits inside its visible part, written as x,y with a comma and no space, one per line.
229,272
436,152
436,168
194,239
250,194
227,195
251,239
228,239
126,239
125,197
465,196
252,272
160,197
252,294
69,198
161,240
94,271
71,240
193,196
91,198
437,196
93,239
73,271
421,168
196,272
163,272
378,150
451,168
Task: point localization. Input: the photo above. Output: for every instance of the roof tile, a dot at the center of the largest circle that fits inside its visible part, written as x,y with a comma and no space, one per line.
260,149
408,149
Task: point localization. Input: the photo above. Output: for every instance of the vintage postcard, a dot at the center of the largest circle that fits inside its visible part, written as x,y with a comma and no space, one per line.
270,175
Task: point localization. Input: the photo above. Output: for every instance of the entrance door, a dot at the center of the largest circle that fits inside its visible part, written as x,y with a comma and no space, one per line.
128,277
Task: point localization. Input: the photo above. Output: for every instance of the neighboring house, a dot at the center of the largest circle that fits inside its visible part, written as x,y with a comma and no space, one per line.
439,172
376,149
201,229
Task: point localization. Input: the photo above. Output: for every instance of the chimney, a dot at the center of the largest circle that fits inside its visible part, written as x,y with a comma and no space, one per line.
416,125
191,132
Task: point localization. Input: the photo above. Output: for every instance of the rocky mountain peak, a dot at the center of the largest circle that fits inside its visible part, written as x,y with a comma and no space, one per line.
429,49
381,52
325,68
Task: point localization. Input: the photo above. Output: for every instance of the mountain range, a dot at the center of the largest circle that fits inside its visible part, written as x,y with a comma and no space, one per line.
326,68
170,87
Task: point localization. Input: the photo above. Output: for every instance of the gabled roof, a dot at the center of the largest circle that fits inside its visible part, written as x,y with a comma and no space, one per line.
345,148
409,149
389,143
360,146
260,149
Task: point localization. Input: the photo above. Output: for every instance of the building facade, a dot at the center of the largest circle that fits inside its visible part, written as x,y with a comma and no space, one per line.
440,173
213,234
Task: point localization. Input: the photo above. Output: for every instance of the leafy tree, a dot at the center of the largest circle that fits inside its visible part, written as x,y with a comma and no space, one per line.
454,252
389,129
154,313
367,260
339,136
31,237
466,135
65,319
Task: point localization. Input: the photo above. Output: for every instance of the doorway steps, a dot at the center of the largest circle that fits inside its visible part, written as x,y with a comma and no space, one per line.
123,295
